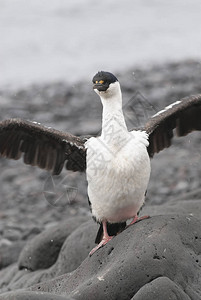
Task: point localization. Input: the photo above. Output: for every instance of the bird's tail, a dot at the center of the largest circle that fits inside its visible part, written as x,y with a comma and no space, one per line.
112,229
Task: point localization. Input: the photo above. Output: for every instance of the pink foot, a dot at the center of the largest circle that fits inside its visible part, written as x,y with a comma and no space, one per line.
104,241
136,219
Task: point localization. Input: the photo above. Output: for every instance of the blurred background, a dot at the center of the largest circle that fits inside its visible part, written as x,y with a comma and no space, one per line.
49,52
48,40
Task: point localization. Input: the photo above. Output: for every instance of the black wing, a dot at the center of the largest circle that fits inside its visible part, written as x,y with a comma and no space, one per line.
41,146
183,115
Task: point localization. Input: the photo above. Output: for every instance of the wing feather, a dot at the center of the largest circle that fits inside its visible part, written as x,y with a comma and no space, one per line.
183,115
40,146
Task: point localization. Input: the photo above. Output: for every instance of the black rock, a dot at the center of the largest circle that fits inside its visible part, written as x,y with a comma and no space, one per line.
42,251
9,253
34,296
162,246
191,207
76,248
161,288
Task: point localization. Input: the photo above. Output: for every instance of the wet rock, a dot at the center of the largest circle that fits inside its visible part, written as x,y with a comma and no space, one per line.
9,252
161,288
161,246
76,248
29,233
42,251
177,207
6,276
33,296
77,245
12,234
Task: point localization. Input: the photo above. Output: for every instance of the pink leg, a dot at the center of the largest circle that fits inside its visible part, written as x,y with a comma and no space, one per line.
105,240
136,219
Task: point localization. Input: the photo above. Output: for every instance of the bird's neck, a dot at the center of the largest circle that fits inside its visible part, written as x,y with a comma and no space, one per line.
113,122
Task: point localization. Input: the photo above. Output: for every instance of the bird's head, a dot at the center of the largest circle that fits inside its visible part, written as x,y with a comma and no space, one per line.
105,84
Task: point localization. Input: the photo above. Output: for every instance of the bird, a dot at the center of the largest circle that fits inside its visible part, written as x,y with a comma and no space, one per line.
117,162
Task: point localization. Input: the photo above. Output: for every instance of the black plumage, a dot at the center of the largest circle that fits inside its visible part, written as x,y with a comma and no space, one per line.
40,146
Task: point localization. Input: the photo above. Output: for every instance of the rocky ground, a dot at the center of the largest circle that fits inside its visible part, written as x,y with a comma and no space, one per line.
41,238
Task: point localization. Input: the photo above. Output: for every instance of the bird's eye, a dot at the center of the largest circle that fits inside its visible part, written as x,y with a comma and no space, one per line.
100,81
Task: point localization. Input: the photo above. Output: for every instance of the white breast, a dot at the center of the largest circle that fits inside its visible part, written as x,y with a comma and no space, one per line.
117,175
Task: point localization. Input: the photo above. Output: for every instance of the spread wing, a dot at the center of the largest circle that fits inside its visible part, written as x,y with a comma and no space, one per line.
183,115
41,146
